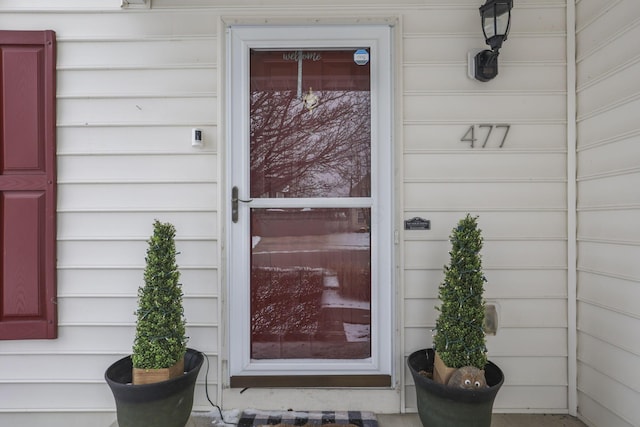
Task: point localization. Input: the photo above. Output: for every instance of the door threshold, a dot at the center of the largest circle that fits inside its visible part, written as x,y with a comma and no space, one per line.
296,381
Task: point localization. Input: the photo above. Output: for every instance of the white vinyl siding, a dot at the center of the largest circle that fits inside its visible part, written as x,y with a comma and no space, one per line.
608,58
131,85
518,191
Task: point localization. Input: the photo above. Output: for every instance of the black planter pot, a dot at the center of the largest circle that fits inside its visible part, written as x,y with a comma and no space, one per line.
442,406
163,404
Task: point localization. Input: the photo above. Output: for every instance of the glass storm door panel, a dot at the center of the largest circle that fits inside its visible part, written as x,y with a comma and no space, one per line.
310,206
310,124
310,137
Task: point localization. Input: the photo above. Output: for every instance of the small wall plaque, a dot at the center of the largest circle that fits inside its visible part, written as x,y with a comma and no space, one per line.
417,223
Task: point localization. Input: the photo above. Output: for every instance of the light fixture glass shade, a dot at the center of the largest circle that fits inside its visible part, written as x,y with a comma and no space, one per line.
496,20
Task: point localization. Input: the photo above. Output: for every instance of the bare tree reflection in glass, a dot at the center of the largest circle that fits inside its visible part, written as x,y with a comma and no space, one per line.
295,153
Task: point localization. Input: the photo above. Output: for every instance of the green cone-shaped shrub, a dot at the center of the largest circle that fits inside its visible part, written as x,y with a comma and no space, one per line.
160,328
460,337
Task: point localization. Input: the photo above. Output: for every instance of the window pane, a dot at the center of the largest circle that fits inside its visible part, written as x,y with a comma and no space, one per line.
310,284
310,127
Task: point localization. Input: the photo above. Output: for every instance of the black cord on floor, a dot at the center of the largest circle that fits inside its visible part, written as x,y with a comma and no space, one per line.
206,391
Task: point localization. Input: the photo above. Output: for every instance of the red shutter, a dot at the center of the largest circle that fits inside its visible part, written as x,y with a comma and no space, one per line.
27,185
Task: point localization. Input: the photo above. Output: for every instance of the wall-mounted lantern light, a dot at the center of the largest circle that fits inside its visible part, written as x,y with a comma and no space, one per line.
496,22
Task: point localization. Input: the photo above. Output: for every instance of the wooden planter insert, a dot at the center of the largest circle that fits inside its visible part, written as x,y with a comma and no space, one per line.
150,376
441,372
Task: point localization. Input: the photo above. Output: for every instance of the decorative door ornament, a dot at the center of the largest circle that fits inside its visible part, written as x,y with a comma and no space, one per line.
310,100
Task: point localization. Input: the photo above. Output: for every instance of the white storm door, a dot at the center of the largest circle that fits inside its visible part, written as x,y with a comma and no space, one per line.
310,209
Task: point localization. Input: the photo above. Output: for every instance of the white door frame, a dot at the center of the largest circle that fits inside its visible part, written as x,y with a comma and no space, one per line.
240,40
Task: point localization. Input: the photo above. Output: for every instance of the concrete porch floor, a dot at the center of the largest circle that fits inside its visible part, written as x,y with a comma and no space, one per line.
412,420
497,420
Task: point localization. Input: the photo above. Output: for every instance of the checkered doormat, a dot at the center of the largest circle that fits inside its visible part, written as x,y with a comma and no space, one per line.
254,418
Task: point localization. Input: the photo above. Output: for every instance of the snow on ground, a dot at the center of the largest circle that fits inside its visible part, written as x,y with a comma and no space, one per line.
331,298
357,332
331,281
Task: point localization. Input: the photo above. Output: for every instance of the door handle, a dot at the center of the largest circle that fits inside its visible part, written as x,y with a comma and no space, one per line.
234,203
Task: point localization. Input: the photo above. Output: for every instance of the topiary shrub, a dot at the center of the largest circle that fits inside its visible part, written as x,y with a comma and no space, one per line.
460,338
160,340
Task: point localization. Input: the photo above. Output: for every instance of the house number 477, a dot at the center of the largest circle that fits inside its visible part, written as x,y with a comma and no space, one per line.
491,135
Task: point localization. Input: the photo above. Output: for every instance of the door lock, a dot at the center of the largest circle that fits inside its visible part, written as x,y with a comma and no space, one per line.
234,204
